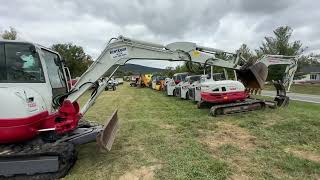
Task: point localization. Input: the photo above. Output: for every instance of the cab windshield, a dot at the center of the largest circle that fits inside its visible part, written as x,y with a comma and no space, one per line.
19,63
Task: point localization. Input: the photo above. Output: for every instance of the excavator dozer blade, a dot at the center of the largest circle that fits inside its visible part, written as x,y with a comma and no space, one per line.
253,76
106,137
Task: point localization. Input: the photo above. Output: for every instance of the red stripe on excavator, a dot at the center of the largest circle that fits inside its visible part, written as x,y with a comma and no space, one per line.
9,122
20,129
223,97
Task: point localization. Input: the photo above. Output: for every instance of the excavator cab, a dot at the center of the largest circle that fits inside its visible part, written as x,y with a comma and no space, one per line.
33,91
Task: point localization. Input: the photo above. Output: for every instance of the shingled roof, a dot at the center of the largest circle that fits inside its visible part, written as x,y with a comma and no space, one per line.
309,69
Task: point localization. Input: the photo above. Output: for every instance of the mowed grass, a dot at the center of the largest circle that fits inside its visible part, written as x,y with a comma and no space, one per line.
167,138
300,88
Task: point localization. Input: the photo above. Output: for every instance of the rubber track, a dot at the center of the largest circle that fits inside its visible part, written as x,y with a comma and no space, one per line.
65,151
213,110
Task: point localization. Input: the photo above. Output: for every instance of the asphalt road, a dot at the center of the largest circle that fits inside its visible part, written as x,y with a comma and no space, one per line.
295,96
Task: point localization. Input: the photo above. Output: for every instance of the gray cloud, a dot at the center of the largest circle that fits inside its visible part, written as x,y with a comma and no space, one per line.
263,7
221,24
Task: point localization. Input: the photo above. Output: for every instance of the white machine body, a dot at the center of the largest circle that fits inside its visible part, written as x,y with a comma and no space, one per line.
183,87
171,84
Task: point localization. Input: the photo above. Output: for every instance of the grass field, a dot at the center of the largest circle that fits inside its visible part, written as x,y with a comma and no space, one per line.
167,138
300,88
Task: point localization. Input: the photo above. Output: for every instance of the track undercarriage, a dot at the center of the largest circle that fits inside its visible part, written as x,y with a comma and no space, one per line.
51,156
253,104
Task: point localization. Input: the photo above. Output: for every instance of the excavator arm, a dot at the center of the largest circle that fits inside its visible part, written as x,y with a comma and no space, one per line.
291,68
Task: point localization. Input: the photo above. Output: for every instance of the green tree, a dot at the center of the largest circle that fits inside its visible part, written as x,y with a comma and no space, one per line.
279,44
75,57
168,72
9,34
245,52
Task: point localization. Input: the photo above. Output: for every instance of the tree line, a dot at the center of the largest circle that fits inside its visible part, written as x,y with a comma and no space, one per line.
278,44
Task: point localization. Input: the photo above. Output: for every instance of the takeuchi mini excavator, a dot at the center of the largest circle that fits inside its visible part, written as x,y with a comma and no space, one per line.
40,118
231,96
194,90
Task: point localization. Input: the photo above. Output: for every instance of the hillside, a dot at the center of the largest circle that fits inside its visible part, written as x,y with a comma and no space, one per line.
136,69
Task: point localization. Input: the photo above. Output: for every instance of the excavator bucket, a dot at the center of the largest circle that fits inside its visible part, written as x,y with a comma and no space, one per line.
106,137
253,76
281,99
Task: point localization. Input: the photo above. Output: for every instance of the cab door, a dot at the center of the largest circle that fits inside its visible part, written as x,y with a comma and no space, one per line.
55,72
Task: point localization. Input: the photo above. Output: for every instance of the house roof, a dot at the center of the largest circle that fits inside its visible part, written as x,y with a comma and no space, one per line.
309,69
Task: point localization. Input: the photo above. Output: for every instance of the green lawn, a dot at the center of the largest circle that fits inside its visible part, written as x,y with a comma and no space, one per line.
300,88
167,138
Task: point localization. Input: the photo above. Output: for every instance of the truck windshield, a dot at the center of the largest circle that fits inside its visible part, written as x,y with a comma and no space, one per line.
19,63
183,77
194,78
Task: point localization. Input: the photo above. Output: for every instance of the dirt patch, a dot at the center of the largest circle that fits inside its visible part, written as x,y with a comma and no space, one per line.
238,177
311,156
272,119
167,126
230,134
143,173
241,166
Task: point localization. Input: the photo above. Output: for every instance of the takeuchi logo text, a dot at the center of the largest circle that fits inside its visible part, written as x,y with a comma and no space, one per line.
118,50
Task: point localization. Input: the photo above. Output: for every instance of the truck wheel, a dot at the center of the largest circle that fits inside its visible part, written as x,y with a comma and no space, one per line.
106,89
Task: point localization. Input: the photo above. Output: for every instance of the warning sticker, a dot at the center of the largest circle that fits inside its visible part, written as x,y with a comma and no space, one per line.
119,53
32,106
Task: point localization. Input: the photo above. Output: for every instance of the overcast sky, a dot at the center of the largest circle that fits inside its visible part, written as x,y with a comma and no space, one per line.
223,24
